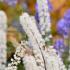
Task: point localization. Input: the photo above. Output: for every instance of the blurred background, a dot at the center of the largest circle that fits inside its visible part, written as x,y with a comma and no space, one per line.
60,18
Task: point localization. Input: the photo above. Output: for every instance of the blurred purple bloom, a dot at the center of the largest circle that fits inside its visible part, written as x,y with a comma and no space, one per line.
11,2
67,15
68,24
67,18
59,46
62,27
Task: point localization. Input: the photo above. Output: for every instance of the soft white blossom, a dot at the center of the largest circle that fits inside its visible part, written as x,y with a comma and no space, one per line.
30,63
35,37
3,28
44,18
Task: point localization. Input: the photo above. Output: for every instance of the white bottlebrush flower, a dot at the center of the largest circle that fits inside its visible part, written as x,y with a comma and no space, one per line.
29,22
53,61
44,18
3,21
30,63
35,38
3,28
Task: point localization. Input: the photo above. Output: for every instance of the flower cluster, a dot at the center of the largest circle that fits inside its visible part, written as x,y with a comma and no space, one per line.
42,54
63,28
21,51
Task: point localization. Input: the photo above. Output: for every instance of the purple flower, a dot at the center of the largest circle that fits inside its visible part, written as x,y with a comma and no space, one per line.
67,18
67,15
59,46
62,27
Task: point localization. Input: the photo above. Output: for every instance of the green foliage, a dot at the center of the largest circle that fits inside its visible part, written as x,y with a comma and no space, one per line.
10,49
65,58
10,46
21,66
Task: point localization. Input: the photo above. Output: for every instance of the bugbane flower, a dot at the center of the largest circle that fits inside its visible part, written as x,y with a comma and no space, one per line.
33,34
3,28
44,19
46,58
